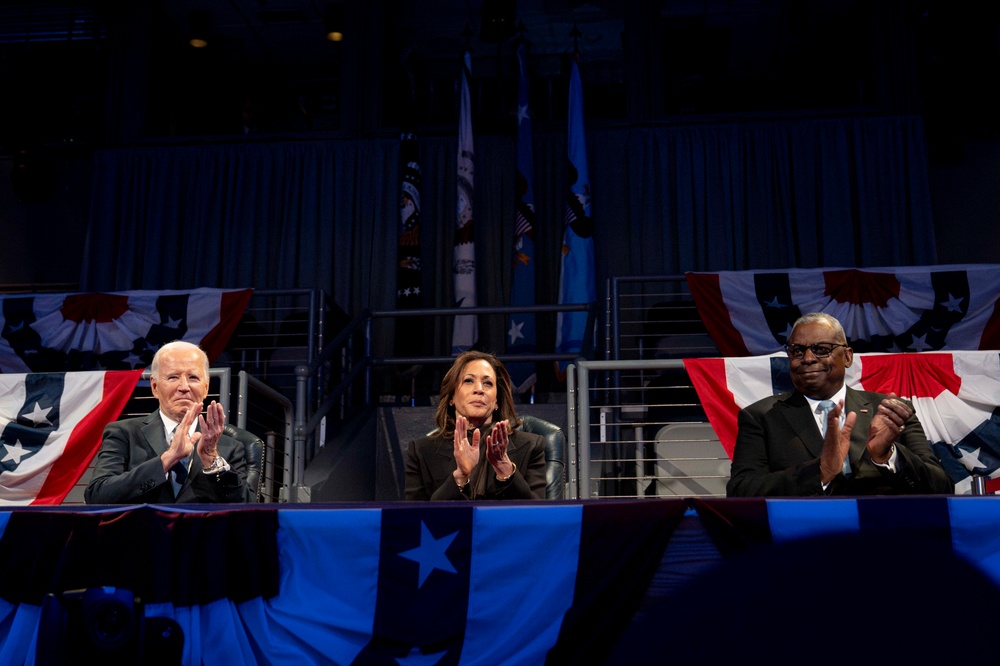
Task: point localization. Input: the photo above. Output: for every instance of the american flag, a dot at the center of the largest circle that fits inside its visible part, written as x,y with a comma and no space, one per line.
521,336
50,429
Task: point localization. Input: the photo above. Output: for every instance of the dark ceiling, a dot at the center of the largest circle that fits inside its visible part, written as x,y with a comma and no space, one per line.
63,64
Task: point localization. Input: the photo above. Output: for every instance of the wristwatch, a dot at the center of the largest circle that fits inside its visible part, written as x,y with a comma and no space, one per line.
218,465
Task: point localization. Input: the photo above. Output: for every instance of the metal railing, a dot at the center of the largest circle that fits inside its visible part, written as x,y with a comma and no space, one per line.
619,440
352,366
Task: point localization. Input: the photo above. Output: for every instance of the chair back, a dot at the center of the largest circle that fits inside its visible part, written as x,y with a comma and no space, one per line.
555,454
253,451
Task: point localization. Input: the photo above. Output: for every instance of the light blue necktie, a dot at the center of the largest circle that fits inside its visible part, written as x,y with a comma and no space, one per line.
824,408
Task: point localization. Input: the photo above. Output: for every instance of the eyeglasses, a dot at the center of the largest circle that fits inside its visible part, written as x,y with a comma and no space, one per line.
820,350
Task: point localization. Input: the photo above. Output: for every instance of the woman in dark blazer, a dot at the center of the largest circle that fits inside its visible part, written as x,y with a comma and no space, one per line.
477,451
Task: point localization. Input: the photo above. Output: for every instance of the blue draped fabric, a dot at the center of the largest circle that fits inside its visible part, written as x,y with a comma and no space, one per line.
802,193
375,583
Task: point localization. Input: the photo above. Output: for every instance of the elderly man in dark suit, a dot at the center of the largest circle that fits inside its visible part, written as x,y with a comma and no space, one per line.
176,454
824,438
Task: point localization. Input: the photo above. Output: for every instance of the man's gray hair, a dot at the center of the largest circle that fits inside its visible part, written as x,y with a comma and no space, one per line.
180,345
822,318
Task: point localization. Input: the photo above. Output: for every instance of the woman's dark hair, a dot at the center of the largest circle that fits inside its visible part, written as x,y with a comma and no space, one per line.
444,417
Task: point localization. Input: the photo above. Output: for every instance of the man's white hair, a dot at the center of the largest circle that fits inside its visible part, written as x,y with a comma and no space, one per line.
176,345
822,318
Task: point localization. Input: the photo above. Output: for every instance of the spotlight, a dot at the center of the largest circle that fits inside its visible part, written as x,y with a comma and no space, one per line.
201,28
333,22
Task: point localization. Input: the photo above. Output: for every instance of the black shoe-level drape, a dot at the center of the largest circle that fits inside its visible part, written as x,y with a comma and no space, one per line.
848,191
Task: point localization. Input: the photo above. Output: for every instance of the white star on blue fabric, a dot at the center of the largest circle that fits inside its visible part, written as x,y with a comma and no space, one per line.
522,113
133,360
773,304
417,658
515,331
953,304
970,459
920,343
39,416
174,323
430,554
15,452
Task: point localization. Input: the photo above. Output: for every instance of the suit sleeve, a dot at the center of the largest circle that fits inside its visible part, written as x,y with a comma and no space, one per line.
421,484
755,474
117,478
917,468
224,487
528,481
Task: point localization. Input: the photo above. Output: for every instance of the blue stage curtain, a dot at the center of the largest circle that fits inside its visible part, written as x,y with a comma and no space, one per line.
801,193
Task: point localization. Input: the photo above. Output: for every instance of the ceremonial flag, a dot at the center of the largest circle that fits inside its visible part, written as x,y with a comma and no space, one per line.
521,326
955,395
50,429
408,270
112,331
576,277
919,308
466,328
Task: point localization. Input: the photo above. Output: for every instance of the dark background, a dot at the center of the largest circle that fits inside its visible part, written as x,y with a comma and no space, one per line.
76,77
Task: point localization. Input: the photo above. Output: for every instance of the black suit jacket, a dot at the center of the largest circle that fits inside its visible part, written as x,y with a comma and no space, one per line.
778,448
129,471
430,462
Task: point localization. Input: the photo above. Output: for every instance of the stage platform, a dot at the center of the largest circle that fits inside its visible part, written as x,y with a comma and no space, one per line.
600,581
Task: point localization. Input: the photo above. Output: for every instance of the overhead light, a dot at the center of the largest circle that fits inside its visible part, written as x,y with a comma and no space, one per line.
333,22
201,27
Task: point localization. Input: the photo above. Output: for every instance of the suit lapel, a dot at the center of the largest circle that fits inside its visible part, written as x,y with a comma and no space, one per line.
152,430
802,422
859,404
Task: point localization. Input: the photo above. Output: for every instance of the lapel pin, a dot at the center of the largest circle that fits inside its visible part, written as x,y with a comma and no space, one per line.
864,411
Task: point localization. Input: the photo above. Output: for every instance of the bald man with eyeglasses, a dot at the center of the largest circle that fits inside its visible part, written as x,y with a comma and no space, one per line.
825,438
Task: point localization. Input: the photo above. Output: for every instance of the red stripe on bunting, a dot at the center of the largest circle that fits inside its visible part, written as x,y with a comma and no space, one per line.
86,437
708,376
707,293
231,309
923,375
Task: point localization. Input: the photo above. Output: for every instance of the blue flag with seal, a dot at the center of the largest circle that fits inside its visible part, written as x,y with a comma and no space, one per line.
576,277
521,338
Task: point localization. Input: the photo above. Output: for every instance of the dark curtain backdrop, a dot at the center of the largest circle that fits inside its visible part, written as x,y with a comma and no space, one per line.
324,214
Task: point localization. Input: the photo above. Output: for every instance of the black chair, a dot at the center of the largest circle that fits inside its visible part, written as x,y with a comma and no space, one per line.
555,454
253,447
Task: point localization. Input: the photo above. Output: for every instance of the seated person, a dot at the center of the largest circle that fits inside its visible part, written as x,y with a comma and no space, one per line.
476,452
873,442
176,454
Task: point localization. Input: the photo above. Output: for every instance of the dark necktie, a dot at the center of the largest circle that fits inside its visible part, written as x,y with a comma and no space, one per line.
179,472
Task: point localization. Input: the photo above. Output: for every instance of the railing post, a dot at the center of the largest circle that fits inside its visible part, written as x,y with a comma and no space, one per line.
583,418
573,476
297,491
